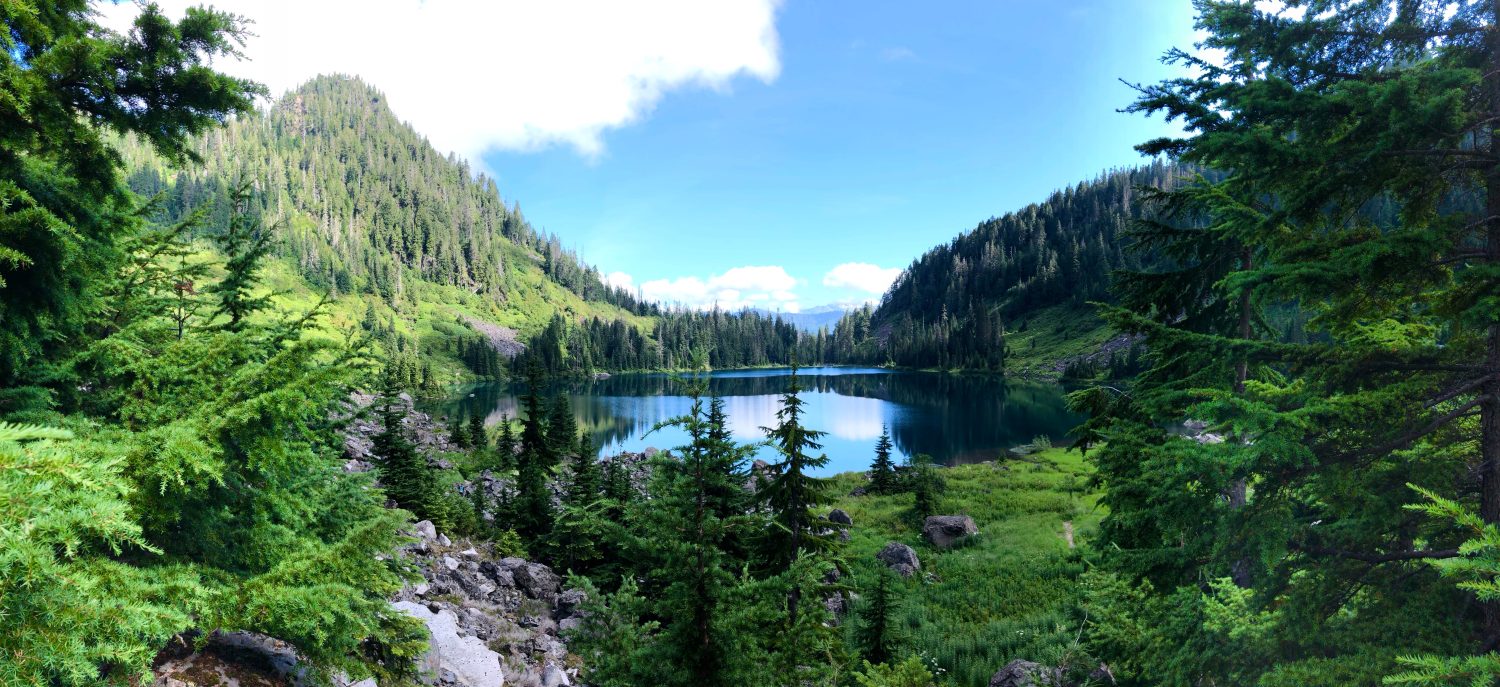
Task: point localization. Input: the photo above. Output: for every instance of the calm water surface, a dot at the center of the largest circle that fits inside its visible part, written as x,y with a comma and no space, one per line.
953,418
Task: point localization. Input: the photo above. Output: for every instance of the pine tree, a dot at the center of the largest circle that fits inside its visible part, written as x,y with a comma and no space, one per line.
927,486
1359,151
790,493
883,470
456,434
478,437
877,639
505,445
63,205
534,512
562,429
404,472
245,246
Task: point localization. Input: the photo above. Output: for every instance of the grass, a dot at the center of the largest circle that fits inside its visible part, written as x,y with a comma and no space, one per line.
1007,594
1042,338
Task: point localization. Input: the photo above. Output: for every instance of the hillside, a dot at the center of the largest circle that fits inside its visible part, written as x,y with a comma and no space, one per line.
399,234
967,303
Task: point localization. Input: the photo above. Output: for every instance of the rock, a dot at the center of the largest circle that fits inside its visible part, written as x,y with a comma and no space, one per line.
554,676
844,536
536,580
443,540
466,659
450,562
836,606
426,531
469,553
839,516
1020,673
569,601
859,491
1102,675
900,557
944,530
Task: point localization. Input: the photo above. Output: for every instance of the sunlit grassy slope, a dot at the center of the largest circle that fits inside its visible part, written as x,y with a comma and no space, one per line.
1010,593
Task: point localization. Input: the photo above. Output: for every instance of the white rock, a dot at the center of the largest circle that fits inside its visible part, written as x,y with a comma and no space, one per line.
450,562
426,531
467,658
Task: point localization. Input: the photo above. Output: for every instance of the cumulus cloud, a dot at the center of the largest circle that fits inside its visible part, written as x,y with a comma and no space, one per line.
475,75
863,276
620,279
761,286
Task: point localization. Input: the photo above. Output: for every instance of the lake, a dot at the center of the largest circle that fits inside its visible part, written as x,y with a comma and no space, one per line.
953,418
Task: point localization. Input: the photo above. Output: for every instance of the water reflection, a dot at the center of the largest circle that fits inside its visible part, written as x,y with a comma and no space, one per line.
954,418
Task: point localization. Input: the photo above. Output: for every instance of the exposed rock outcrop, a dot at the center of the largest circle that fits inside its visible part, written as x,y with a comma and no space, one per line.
943,531
1021,673
901,558
363,425
512,607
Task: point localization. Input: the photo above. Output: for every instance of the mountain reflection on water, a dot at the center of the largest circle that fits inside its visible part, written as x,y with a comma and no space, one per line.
954,418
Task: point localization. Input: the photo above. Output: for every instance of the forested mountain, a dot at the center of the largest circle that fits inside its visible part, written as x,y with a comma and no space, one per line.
953,306
364,200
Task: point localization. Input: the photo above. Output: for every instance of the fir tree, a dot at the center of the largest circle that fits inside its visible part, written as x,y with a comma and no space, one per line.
456,434
790,493
245,246
562,429
927,485
876,637
883,470
404,472
505,444
534,512
478,437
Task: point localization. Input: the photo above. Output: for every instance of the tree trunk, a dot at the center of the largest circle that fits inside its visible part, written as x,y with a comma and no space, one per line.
1489,407
1238,493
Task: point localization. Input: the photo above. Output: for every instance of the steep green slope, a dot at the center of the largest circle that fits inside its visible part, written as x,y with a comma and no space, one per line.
370,213
966,303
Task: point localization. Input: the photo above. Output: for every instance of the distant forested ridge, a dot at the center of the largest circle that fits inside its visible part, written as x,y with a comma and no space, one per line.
952,307
364,198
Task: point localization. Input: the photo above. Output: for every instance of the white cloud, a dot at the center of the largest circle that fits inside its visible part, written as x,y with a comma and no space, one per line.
863,276
764,286
473,75
621,280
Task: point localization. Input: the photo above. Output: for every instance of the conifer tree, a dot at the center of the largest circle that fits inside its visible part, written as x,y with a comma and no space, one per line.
73,84
790,493
562,429
927,485
1358,144
505,444
883,470
456,434
478,437
534,512
245,245
404,472
878,641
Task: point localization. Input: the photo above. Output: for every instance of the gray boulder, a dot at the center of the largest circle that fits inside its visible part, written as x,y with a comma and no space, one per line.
944,530
839,516
534,579
463,660
568,603
1020,673
901,558
426,531
554,676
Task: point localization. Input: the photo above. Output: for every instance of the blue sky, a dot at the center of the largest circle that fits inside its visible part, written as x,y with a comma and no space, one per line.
891,127
780,153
